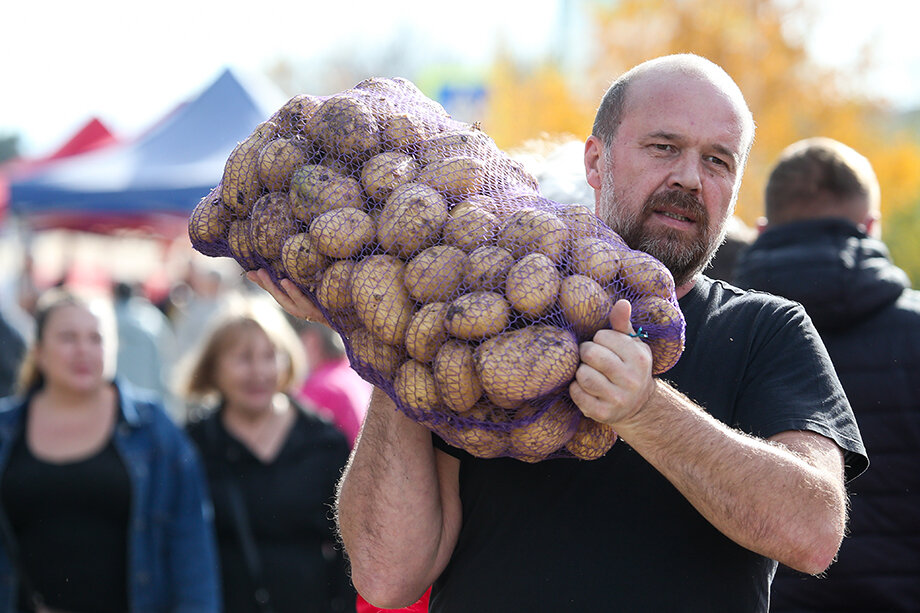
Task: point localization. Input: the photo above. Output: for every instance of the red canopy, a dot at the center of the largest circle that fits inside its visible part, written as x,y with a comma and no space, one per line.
93,135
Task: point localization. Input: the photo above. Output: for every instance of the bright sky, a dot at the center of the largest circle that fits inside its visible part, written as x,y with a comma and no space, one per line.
63,62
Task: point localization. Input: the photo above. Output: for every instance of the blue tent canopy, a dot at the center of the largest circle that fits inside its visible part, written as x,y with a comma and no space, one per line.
165,172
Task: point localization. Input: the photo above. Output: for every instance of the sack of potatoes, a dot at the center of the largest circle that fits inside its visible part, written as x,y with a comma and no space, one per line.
457,288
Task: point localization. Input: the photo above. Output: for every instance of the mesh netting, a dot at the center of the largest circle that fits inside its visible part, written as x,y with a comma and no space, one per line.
457,288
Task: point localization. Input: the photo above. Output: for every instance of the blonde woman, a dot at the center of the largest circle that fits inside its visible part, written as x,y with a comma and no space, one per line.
272,468
104,504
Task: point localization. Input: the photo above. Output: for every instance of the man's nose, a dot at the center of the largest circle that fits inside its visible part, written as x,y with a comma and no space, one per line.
686,175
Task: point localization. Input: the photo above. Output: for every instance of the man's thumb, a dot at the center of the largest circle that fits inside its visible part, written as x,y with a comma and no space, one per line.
619,316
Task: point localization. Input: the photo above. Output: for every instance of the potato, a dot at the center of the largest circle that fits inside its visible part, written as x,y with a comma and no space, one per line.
209,220
334,291
239,185
580,220
386,171
487,268
240,244
592,439
595,258
454,176
370,352
415,387
584,304
526,363
298,116
411,219
477,315
470,226
406,90
316,189
644,275
426,332
279,159
531,231
301,261
435,274
343,233
347,126
403,132
532,285
272,223
380,297
537,437
455,374
478,431
664,323
471,143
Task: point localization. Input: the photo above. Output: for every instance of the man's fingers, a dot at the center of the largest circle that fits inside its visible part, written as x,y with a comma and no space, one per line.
288,296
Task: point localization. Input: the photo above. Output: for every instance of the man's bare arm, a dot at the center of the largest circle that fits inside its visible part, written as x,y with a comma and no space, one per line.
398,507
784,498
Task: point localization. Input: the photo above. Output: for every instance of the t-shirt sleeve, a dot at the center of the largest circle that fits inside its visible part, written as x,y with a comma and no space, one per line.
790,384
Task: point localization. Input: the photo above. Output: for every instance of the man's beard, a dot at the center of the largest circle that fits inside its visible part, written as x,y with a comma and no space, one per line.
683,255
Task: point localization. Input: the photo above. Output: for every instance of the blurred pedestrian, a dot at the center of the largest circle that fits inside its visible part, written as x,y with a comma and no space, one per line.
104,503
738,235
331,385
12,349
146,343
272,468
820,246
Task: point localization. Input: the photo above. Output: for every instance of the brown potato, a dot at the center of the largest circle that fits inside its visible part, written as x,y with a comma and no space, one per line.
316,189
584,304
279,159
386,171
644,275
454,176
479,431
526,363
532,285
343,233
426,332
300,259
380,297
435,273
664,323
592,440
416,389
580,220
240,244
534,231
487,268
334,291
209,220
596,258
272,223
370,352
298,116
537,437
403,132
411,219
477,315
472,143
347,126
455,374
470,226
239,185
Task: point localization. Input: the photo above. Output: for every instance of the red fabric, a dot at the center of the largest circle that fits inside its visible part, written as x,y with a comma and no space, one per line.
340,393
419,607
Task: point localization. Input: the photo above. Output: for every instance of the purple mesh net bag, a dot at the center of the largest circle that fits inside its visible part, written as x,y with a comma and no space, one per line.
457,288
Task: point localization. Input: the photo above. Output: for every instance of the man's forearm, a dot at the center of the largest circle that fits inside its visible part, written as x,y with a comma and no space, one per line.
760,494
391,508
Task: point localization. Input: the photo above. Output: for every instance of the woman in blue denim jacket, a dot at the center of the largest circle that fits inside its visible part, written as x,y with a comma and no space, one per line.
103,503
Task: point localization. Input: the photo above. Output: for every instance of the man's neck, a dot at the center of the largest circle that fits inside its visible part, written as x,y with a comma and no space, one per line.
682,291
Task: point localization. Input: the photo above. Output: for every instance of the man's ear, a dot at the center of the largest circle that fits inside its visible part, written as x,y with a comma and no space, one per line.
594,158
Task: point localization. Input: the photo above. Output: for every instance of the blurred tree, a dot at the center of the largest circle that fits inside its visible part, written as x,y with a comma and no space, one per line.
760,43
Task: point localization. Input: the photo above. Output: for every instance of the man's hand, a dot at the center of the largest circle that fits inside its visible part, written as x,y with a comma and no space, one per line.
288,295
614,379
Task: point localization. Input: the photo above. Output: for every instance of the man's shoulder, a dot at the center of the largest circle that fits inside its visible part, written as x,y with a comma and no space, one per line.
717,294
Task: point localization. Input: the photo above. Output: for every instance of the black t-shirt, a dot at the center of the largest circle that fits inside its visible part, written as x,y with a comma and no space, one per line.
613,534
288,501
70,521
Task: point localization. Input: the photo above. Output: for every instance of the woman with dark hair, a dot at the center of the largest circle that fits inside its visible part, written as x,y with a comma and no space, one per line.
272,466
103,504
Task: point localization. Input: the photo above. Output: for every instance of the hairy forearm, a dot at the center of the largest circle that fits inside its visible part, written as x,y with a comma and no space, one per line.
760,494
392,517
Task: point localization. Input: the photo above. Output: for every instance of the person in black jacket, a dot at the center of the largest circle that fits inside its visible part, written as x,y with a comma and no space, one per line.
820,247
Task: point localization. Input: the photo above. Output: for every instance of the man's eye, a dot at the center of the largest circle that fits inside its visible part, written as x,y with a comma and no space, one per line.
718,161
664,147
